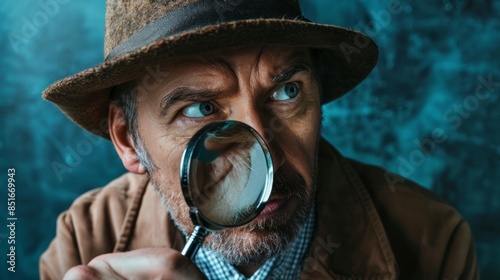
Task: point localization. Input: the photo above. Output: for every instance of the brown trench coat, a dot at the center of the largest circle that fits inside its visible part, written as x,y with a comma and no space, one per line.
367,227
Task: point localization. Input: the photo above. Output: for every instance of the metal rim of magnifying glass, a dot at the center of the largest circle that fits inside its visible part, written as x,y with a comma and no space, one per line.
196,216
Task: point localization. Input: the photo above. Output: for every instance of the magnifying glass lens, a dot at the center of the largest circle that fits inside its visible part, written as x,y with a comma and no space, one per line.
226,177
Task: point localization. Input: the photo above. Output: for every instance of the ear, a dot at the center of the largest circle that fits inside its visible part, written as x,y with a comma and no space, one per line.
122,140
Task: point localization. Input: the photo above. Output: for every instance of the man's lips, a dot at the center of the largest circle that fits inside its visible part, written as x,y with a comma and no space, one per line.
274,206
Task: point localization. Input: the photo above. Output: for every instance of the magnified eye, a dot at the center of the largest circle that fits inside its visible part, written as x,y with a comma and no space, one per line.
199,110
286,92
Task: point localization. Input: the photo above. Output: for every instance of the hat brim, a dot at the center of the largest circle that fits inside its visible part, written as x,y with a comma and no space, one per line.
348,57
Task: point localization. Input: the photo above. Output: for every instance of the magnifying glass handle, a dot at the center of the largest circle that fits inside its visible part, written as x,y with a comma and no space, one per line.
194,242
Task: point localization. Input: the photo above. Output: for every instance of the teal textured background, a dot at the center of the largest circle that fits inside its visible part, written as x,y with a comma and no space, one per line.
433,57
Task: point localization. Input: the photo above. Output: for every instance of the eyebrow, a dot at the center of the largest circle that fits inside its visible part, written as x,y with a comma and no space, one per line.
182,94
185,94
287,74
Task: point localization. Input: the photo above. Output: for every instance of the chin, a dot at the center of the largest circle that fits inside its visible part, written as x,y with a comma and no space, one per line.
264,237
261,239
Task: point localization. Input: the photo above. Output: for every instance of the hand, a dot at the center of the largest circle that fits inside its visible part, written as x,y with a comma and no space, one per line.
149,263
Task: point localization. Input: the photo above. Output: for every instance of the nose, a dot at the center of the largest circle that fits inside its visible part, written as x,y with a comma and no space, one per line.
262,124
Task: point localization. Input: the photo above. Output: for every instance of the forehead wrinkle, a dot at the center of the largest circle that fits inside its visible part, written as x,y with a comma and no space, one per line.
204,64
221,65
225,67
208,60
258,70
296,58
300,54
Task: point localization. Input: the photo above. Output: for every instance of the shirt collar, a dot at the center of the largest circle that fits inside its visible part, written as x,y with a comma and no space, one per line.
287,265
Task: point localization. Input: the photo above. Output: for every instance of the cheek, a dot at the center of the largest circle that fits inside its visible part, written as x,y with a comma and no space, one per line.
167,158
165,152
305,151
166,178
165,145
307,130
299,144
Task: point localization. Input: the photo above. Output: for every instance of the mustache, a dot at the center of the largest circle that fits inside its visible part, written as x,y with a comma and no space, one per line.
286,185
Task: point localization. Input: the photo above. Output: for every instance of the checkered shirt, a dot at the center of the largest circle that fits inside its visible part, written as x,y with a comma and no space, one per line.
287,265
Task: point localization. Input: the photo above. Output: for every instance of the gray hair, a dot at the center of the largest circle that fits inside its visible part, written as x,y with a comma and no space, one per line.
125,97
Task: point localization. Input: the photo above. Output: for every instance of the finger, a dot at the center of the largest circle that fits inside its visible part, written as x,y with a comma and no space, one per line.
152,263
81,272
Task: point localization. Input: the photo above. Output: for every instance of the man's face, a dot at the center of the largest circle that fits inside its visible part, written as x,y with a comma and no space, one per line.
272,89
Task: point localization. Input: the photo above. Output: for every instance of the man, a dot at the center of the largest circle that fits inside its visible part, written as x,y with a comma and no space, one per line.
174,66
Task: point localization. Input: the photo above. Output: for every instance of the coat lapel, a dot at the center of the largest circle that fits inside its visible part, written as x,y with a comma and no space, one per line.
350,241
153,227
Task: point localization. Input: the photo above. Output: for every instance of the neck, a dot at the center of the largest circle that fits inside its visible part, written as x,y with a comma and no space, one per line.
248,270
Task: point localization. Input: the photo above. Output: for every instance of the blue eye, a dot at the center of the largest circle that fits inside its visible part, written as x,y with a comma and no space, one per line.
286,92
199,110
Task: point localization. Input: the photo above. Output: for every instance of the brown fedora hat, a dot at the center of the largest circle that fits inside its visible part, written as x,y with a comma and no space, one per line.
142,32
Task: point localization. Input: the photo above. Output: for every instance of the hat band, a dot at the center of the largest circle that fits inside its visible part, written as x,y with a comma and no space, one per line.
201,14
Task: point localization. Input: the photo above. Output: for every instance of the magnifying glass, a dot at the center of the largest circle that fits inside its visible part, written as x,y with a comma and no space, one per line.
226,178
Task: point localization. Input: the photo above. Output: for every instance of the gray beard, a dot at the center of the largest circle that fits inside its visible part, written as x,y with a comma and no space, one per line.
257,241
